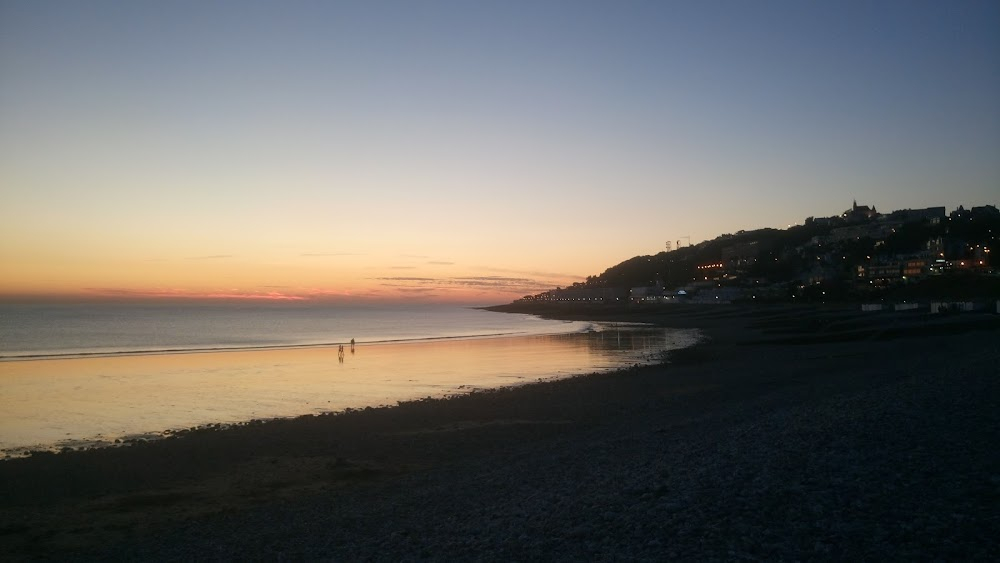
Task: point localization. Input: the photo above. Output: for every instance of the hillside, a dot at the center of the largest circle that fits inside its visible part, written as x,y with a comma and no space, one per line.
859,254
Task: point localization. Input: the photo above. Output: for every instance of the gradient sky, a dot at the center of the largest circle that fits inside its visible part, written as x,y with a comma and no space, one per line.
464,151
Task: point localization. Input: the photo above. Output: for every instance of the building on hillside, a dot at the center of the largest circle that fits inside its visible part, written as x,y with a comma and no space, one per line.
741,255
647,293
985,211
821,274
875,231
710,271
823,221
859,213
916,268
931,214
975,265
938,267
883,273
935,247
846,233
982,211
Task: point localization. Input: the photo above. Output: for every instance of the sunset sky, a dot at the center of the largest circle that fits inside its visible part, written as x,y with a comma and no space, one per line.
468,151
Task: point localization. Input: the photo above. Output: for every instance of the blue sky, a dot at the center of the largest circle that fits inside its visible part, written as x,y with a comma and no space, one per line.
335,148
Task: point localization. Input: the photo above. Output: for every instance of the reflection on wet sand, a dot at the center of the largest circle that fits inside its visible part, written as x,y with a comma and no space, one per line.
49,403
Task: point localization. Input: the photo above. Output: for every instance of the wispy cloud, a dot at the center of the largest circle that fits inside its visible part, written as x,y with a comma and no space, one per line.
402,267
333,293
440,263
172,293
494,283
329,254
211,257
535,274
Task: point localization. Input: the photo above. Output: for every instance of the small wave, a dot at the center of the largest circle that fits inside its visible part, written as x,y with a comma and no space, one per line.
246,348
605,326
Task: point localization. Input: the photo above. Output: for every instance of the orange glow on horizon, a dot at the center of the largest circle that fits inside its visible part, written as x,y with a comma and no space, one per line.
42,276
456,296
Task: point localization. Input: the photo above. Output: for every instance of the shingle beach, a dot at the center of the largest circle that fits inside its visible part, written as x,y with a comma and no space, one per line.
789,434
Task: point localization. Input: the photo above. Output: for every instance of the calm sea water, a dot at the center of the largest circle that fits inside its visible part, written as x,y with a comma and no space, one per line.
84,376
55,330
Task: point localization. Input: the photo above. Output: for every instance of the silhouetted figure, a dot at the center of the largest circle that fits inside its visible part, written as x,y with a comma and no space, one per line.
340,353
352,345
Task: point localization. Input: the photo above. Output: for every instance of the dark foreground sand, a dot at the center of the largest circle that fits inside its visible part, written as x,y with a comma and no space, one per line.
792,434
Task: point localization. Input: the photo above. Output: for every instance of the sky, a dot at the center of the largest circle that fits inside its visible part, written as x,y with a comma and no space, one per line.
468,152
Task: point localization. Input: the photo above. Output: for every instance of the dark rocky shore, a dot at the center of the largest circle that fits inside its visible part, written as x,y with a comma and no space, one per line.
791,434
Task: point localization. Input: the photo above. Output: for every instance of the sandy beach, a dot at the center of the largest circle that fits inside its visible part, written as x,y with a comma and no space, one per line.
791,433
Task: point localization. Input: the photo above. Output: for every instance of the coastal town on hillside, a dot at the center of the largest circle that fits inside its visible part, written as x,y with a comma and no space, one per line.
860,254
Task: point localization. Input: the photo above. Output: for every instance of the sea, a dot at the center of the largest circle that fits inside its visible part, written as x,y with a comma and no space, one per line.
76,376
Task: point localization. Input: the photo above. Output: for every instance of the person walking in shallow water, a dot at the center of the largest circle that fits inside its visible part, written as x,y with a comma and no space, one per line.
352,345
340,353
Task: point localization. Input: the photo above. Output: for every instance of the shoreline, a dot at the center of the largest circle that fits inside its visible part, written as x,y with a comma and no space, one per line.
66,404
172,351
263,347
340,335
846,440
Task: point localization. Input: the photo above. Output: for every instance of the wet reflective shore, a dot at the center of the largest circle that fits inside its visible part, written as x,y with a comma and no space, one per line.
87,402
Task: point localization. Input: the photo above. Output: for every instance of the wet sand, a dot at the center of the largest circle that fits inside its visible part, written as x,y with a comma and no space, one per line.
793,433
52,404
